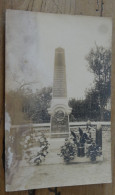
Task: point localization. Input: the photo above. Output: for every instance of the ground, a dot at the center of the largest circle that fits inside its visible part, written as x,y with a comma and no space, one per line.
51,174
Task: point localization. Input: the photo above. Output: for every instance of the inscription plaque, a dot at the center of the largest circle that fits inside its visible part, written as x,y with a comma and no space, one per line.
60,125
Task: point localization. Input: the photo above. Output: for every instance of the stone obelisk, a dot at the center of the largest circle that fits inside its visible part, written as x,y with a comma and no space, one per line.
59,110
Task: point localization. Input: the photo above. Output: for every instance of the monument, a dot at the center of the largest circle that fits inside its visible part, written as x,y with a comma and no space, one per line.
59,110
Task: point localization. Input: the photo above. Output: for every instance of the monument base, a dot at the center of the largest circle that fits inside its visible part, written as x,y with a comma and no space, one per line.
59,125
59,135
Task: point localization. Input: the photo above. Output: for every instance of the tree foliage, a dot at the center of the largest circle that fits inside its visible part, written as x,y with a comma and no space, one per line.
99,62
93,107
36,107
25,106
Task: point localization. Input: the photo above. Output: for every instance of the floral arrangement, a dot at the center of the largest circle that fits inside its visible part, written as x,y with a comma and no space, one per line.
80,144
36,148
68,151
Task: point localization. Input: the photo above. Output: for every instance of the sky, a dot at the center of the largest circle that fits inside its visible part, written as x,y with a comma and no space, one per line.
31,39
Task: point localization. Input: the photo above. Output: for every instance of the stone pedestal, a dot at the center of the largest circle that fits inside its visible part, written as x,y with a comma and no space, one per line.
59,125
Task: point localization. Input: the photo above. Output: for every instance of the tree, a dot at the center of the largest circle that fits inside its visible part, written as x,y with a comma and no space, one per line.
24,106
92,105
99,63
36,106
14,103
78,110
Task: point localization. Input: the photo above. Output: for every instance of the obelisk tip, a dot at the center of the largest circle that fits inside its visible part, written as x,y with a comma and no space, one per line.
59,50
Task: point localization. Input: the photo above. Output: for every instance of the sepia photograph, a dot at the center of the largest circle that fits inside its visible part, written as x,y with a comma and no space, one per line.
57,100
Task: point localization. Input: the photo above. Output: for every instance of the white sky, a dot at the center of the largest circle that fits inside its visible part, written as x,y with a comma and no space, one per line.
31,39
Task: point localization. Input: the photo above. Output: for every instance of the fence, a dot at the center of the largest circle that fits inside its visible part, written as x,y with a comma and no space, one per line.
45,127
